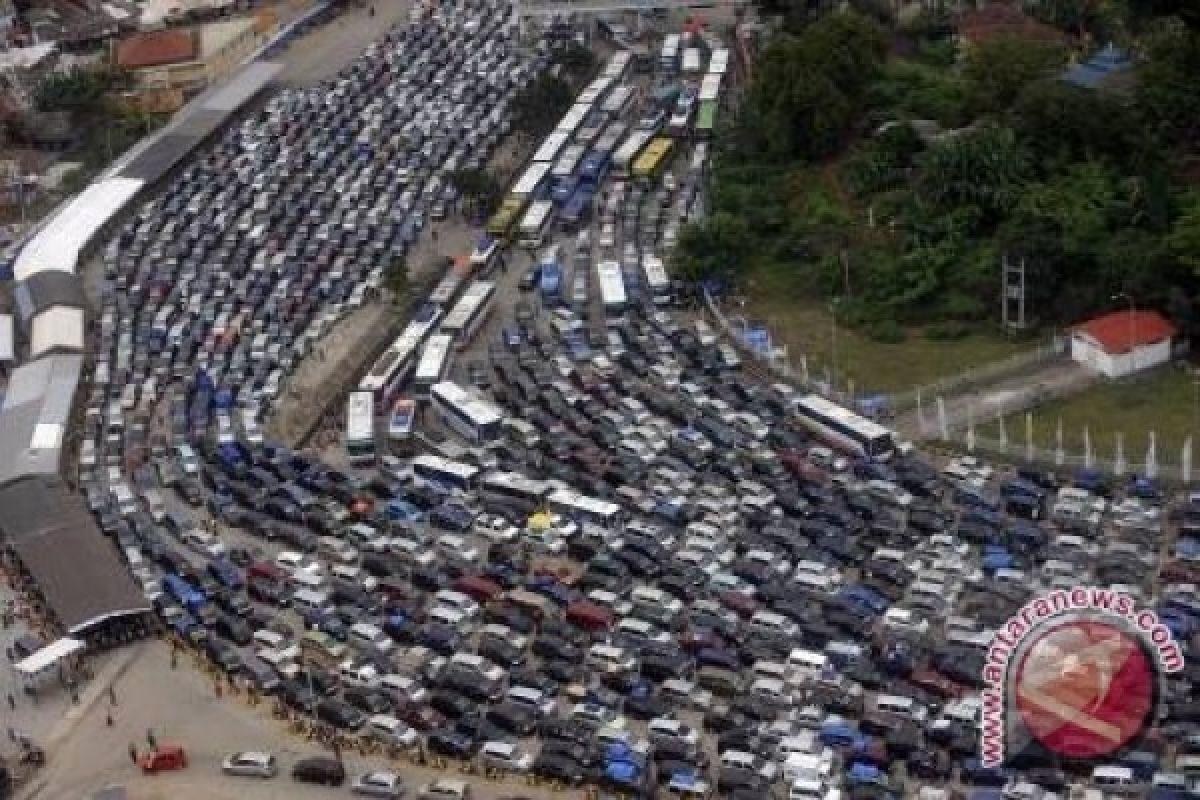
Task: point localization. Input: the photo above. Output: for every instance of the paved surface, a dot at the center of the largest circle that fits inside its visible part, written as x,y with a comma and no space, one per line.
178,706
326,49
1010,395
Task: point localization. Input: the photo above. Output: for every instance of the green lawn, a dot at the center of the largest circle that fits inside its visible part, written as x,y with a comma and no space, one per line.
807,328
1163,401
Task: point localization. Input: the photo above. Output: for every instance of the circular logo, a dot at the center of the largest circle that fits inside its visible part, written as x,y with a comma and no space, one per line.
1084,688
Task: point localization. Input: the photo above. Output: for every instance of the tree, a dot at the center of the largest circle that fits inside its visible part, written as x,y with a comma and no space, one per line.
539,106
1168,93
985,168
396,277
1063,123
714,249
998,69
480,189
576,59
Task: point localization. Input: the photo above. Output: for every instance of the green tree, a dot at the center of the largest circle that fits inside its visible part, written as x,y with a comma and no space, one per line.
396,277
998,69
575,59
1184,240
539,106
986,168
1063,123
715,248
1168,93
479,189
76,89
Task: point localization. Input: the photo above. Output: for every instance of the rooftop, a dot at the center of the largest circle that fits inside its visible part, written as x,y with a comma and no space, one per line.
1120,331
157,48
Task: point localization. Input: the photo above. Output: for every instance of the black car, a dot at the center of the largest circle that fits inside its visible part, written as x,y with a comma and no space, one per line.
512,718
529,279
367,700
451,742
318,769
451,704
340,715
551,766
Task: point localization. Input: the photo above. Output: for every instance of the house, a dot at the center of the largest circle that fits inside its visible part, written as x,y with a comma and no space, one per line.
1002,19
187,60
1123,342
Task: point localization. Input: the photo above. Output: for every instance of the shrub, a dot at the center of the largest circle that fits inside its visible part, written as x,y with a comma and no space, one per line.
886,331
947,331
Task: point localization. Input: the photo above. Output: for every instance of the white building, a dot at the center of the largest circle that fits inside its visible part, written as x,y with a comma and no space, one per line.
1123,342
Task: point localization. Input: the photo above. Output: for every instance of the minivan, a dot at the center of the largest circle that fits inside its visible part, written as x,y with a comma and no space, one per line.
318,769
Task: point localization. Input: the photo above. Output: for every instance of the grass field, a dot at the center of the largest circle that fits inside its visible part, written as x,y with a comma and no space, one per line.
1164,401
807,328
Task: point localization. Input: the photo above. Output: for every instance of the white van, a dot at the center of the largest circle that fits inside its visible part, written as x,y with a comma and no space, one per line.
270,639
1113,778
392,731
367,636
306,580
610,659
456,600
308,600
901,706
807,661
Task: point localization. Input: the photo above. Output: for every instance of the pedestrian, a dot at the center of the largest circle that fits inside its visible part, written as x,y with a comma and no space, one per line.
133,753
174,658
435,234
150,740
112,696
108,720
12,735
12,702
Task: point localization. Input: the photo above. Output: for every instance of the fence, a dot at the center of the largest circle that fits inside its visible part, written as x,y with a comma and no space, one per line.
780,369
1146,463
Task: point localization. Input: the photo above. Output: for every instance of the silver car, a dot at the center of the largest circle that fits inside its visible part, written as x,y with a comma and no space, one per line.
378,784
250,765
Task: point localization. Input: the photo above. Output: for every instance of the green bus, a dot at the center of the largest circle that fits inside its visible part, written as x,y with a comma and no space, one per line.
705,119
502,222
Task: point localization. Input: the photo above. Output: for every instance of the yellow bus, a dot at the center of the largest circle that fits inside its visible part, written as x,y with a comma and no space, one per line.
502,222
650,164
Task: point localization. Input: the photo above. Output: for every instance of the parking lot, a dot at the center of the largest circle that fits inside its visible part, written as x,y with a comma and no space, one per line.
600,553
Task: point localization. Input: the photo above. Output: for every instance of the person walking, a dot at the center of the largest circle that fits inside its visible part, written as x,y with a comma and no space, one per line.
133,752
150,740
112,696
12,702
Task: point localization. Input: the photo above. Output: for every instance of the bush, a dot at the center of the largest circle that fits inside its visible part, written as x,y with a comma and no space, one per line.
886,331
947,331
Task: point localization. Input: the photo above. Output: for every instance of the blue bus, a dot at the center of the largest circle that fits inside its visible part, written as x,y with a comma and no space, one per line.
551,276
577,209
595,167
564,188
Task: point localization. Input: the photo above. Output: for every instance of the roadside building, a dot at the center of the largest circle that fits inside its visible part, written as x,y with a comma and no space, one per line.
1123,342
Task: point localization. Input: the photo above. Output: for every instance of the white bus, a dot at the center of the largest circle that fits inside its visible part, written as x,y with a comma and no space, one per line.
617,103
431,368
513,490
629,150
584,509
447,289
658,285
573,118
842,428
360,428
429,469
611,138
535,175
536,223
469,313
710,87
718,62
551,145
618,65
691,61
467,414
568,162
668,59
394,365
612,287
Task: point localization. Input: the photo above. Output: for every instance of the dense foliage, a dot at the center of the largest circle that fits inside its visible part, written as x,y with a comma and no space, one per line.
900,183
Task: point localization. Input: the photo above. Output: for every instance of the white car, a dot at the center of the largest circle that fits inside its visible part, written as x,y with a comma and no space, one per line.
608,236
204,543
250,765
378,784
505,756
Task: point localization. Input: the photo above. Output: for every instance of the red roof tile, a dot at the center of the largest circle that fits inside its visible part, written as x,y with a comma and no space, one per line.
156,48
1119,331
1004,19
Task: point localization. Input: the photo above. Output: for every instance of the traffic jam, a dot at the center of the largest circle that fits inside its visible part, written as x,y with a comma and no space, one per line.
577,537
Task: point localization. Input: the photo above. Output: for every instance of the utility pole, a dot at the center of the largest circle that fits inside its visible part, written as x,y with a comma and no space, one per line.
1012,296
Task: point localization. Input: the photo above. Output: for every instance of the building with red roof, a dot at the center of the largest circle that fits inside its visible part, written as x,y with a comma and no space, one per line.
1123,342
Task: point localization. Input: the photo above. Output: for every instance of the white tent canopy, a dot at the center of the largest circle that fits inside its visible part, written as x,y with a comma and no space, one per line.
49,656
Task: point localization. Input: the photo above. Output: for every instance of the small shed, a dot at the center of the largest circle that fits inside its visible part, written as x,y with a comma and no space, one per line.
1123,342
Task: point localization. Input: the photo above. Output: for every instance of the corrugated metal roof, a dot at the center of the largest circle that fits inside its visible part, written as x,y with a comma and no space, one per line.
58,328
34,416
8,344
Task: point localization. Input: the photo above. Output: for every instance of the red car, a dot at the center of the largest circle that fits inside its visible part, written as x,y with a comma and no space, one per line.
936,684
421,717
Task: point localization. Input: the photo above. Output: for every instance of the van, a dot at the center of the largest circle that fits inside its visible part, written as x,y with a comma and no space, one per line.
607,658
260,674
390,731
282,661
807,661
270,639
322,648
772,691
901,706
371,638
719,681
1113,778
457,601
311,601
450,617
